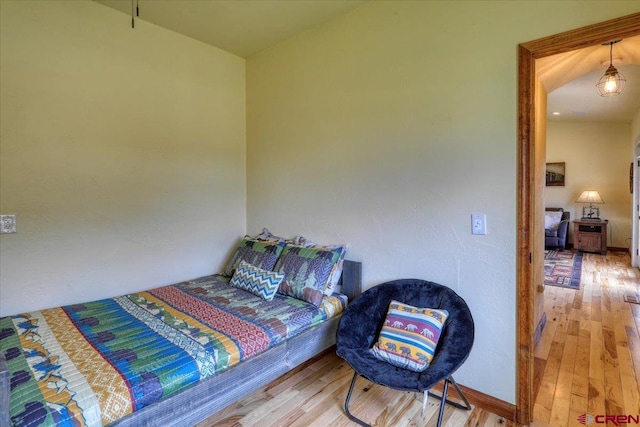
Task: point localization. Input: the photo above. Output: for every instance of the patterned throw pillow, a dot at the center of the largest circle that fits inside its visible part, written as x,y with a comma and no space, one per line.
255,252
409,336
256,280
336,271
268,236
306,271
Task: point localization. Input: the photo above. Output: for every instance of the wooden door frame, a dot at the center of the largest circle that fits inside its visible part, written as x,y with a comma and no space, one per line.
596,34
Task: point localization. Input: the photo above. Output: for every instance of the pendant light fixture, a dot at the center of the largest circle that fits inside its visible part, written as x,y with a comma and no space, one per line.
613,81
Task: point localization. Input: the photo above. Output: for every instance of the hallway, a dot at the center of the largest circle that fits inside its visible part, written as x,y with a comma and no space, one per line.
588,358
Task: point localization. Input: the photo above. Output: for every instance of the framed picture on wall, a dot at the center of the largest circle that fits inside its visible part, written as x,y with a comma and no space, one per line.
555,174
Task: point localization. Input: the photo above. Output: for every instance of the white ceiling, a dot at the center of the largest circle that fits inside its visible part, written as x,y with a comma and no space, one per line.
245,27
570,79
578,100
242,27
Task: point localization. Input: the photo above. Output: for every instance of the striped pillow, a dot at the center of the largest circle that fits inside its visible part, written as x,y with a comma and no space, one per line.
256,280
409,336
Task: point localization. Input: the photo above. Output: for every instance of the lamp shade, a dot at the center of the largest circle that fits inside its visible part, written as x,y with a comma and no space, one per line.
590,196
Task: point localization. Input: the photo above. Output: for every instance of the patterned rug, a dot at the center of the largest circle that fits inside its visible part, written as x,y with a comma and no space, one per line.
632,294
562,269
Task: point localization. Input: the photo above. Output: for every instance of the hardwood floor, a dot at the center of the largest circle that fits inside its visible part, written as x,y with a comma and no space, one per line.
587,362
588,358
313,395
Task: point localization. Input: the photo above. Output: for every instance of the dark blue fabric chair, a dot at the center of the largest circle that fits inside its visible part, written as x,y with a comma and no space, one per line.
362,321
557,239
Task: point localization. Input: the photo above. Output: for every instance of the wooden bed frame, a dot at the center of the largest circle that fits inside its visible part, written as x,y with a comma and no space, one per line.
219,391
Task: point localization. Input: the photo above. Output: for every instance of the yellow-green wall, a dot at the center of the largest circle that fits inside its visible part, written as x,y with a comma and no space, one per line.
122,153
387,128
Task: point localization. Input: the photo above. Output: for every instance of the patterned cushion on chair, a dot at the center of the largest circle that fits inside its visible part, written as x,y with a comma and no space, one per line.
409,336
256,280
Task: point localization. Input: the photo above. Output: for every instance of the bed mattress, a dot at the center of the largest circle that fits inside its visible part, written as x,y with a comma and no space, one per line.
94,363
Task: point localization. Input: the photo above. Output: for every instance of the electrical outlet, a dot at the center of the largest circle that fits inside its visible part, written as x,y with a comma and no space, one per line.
478,224
7,224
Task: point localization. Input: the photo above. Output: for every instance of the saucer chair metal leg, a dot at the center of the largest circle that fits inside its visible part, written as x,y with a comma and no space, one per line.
442,402
466,405
444,399
346,403
425,397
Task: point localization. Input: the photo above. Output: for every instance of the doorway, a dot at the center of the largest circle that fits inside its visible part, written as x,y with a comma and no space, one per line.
635,183
528,180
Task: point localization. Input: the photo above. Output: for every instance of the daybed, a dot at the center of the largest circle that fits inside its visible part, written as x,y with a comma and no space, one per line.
173,355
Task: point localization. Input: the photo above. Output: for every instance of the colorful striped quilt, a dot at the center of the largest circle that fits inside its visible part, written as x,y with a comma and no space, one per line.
92,364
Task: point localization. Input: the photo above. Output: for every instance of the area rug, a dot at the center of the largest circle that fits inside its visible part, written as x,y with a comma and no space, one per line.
632,294
562,269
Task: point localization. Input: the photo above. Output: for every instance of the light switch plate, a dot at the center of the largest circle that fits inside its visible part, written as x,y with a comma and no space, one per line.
479,224
7,224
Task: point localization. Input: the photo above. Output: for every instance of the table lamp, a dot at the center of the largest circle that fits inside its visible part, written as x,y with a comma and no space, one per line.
591,212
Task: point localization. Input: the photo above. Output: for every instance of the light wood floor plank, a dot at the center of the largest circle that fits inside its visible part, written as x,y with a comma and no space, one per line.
580,385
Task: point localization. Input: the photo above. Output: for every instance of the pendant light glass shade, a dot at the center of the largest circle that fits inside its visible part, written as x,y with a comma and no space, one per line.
612,82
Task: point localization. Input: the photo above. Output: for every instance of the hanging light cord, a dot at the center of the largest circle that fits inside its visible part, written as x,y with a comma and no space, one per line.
611,53
133,23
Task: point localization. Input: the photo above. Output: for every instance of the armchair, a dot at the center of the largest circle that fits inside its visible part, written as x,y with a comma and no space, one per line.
555,233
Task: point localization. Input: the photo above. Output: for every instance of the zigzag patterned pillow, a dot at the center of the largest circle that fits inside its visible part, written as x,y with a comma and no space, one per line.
260,282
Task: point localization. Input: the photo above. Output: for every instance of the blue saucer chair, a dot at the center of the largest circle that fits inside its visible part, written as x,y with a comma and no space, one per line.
362,321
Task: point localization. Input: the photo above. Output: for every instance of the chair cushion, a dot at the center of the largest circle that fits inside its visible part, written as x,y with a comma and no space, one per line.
551,233
259,282
409,336
552,220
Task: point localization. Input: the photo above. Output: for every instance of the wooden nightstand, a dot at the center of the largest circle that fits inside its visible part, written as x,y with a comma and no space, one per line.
590,236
